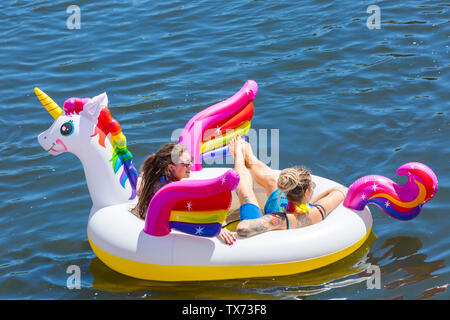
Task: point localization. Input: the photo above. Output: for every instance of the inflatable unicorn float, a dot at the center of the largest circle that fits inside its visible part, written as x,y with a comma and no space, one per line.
177,242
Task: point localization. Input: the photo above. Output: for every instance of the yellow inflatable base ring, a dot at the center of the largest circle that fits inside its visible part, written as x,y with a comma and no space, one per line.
155,272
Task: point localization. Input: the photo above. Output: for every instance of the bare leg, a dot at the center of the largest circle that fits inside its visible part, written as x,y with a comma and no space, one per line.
245,187
261,172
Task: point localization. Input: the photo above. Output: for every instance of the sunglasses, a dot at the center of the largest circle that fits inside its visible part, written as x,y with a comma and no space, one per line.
187,163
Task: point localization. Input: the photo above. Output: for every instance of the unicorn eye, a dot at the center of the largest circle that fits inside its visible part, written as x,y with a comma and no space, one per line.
67,128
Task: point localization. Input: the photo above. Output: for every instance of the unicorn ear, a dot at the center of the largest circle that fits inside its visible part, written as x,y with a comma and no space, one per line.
94,106
102,99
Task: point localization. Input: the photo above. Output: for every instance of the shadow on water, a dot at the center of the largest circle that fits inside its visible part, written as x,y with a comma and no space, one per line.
285,287
402,264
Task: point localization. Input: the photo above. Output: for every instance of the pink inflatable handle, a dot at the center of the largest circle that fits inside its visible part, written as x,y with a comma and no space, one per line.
158,214
192,134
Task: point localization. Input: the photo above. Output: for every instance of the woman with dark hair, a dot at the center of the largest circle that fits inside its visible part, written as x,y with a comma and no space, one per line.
170,163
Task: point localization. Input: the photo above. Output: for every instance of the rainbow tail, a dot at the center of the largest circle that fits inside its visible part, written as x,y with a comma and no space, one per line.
403,202
208,133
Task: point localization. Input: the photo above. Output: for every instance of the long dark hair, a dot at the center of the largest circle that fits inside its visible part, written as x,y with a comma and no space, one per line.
153,168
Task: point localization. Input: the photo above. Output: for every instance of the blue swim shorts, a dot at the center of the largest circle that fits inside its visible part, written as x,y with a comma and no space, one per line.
273,204
250,211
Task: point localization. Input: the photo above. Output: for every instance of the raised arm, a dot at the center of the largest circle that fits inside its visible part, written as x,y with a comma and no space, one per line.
330,199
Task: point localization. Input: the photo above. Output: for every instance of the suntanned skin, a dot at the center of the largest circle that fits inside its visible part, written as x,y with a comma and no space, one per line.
266,177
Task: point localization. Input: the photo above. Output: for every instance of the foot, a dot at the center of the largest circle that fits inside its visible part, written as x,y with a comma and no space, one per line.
250,157
236,149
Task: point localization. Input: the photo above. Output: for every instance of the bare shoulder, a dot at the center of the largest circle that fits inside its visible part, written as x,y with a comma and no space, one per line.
302,220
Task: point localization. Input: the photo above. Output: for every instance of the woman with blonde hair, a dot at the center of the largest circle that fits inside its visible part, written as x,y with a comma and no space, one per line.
289,204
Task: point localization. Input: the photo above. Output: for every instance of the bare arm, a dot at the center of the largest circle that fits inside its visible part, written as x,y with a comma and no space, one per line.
342,190
330,199
252,227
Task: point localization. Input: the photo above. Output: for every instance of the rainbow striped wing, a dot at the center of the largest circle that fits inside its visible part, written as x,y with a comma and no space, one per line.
208,133
196,207
202,216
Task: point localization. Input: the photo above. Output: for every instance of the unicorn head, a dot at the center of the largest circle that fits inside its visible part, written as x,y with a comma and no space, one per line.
85,128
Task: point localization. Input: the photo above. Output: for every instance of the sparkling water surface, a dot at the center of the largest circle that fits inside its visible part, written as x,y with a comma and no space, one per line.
348,101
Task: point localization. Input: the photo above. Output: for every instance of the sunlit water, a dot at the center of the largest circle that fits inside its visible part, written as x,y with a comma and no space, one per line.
347,101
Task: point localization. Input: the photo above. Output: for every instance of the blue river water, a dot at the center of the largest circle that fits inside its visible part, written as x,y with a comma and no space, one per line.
347,100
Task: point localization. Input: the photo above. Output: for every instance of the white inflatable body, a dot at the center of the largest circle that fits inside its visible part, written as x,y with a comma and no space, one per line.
117,238
86,129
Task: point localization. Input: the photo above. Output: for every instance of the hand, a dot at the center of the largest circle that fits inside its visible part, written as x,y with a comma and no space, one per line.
226,236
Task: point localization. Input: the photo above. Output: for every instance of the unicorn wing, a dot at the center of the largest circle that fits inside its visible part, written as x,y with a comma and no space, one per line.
207,133
196,207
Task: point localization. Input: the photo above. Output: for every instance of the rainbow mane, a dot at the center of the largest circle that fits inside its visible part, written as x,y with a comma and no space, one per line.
106,124
403,202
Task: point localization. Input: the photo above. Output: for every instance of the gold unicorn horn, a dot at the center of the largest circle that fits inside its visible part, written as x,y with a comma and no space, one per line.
51,106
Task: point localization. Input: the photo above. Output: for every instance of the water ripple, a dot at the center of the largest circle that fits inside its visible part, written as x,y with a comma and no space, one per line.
347,101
